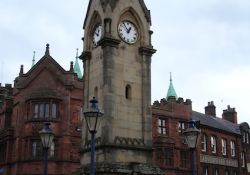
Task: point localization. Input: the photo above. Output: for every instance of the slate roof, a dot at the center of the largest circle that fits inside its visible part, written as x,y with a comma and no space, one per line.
216,122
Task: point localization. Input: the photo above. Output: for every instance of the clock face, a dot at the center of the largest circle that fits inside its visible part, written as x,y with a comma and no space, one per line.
97,34
127,32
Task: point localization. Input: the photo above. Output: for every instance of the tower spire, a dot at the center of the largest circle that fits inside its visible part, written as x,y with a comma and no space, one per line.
171,90
33,60
47,50
77,69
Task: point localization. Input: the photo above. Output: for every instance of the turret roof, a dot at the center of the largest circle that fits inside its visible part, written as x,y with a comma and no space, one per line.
171,90
77,69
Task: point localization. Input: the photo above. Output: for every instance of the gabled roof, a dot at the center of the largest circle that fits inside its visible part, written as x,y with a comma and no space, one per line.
49,64
142,3
215,122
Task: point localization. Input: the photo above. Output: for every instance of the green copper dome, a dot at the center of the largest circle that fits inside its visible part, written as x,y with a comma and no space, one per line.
77,69
171,91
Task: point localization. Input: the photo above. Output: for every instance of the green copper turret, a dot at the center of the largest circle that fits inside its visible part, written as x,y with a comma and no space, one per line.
77,69
171,90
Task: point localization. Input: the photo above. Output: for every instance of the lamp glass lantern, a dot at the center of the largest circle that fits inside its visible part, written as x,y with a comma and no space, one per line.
93,116
46,135
191,135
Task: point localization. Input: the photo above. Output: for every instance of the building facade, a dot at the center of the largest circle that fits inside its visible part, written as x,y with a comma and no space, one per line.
223,147
46,93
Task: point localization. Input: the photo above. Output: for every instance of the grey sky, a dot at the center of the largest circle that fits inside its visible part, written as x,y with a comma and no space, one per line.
205,44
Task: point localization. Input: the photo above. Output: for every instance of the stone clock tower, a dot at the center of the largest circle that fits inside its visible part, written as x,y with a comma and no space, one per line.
117,71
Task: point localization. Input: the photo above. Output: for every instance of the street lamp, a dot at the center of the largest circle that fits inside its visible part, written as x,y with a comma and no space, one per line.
47,137
191,135
92,117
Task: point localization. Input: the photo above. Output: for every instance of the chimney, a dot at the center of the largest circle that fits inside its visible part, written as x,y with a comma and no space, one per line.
230,114
210,109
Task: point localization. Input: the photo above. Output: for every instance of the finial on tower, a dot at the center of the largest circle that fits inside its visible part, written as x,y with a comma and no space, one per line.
47,49
21,71
33,60
170,76
71,66
77,69
77,53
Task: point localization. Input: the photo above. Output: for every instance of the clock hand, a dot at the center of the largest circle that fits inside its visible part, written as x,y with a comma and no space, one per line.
97,33
126,27
129,29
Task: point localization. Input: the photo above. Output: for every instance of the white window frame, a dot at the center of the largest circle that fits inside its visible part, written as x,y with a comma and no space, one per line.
232,146
224,147
204,143
216,172
205,171
242,157
181,126
213,144
162,126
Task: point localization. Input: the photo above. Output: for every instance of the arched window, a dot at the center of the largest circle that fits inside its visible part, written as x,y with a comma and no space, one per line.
96,92
128,92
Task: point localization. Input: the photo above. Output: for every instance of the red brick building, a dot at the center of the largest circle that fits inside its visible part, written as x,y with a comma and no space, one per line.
223,148
46,93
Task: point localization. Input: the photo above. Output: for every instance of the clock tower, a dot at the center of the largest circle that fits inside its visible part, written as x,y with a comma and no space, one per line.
117,71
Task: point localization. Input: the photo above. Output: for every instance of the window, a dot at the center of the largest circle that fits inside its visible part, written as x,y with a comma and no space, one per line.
204,171
37,149
247,138
128,93
224,147
242,157
169,157
215,171
96,93
213,144
204,142
184,156
2,152
43,110
181,127
162,126
235,173
244,137
158,156
226,172
232,145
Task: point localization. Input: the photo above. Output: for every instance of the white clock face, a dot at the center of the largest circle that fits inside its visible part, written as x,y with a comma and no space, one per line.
128,32
97,35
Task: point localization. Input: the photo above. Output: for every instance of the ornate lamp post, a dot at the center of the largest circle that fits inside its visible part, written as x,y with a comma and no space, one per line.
192,135
47,137
92,118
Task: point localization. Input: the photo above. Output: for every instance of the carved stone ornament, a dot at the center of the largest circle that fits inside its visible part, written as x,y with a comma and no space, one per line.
112,4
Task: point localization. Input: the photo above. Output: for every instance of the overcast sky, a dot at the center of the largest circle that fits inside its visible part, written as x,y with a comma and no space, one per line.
205,44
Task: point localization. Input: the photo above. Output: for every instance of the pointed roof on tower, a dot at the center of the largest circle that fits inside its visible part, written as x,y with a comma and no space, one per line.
33,60
77,69
171,90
